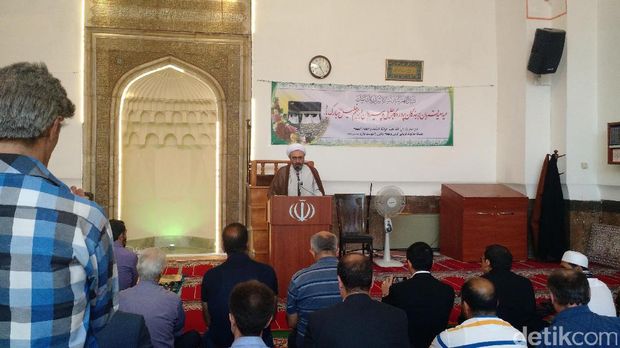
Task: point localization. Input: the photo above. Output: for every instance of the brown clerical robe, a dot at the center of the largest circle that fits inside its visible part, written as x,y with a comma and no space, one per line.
279,185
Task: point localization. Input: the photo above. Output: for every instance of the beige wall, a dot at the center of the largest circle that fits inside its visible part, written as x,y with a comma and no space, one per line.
50,32
478,46
505,119
608,89
581,108
456,40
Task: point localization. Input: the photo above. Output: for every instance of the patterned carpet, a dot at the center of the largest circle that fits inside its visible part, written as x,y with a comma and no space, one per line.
448,270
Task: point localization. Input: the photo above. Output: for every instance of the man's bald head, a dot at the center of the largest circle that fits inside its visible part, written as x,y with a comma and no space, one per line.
355,272
479,294
235,238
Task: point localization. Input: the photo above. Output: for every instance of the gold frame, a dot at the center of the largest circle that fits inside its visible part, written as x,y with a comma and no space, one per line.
416,66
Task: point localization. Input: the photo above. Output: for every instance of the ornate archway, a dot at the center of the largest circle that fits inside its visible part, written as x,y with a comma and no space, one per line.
118,49
167,181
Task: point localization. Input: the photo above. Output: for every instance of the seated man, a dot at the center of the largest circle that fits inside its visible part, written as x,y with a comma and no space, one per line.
358,321
219,281
126,260
576,325
314,287
297,178
162,310
601,300
482,327
252,306
427,301
517,303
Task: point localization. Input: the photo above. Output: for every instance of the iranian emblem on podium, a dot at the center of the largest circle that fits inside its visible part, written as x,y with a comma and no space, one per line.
302,211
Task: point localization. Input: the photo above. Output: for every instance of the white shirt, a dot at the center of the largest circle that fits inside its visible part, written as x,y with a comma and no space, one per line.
248,342
601,301
481,332
307,184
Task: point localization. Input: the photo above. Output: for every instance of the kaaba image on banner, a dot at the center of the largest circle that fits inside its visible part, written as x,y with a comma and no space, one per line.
304,113
306,117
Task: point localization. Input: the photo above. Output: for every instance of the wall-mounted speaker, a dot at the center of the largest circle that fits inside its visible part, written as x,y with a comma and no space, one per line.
546,51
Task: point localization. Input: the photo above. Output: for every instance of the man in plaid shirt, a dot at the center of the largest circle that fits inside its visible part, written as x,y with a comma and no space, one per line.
58,282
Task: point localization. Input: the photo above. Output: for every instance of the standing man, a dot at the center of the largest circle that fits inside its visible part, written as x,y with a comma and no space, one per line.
218,282
358,321
427,301
314,287
482,328
252,306
517,303
296,178
126,260
601,300
58,283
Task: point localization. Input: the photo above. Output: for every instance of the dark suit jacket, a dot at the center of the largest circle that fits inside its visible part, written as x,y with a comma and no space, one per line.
217,284
358,322
516,301
427,302
124,330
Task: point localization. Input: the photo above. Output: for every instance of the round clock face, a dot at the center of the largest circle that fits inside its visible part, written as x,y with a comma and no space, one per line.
320,67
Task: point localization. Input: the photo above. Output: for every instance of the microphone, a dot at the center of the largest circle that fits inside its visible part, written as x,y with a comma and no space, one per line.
299,183
305,189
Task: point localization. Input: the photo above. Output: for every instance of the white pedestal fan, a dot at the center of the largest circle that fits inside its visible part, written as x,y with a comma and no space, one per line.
389,202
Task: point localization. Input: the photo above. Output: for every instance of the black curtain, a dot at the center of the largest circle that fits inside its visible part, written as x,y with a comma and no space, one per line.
552,238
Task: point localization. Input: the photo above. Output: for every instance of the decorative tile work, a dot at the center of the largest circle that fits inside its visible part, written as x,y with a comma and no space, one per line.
603,246
125,38
200,16
581,216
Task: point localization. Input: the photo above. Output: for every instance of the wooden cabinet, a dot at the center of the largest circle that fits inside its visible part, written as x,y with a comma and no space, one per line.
473,216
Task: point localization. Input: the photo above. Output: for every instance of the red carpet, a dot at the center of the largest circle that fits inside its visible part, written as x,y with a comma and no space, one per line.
448,270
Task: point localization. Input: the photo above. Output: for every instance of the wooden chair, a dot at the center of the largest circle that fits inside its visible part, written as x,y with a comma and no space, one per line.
351,213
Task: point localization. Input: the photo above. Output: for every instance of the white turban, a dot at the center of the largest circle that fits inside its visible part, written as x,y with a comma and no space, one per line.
576,258
295,147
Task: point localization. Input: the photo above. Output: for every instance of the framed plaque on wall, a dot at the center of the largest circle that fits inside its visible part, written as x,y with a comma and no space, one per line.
613,143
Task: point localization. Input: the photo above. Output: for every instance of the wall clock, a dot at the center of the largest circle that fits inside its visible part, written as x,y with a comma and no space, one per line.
319,67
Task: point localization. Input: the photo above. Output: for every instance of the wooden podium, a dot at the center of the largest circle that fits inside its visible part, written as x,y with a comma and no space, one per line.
292,221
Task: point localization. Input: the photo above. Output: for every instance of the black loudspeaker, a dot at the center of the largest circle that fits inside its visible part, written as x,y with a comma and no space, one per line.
546,51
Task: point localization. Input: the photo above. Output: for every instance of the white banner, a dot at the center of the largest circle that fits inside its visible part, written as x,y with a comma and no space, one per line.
361,115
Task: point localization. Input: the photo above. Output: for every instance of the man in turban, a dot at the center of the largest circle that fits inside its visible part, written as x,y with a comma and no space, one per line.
296,178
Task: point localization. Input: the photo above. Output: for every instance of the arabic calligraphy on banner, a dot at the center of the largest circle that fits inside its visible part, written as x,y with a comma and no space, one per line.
361,115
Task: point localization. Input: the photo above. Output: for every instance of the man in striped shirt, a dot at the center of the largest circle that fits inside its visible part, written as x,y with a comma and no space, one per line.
313,288
58,283
482,328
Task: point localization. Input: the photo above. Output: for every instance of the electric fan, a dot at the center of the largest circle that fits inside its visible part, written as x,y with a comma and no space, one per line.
389,202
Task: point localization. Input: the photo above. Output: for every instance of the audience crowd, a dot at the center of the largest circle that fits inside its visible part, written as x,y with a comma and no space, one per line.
62,265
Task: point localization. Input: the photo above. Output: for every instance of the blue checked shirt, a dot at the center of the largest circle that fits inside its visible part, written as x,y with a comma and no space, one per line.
58,280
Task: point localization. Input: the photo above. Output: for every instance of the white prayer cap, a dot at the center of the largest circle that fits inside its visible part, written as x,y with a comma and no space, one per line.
576,258
295,147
